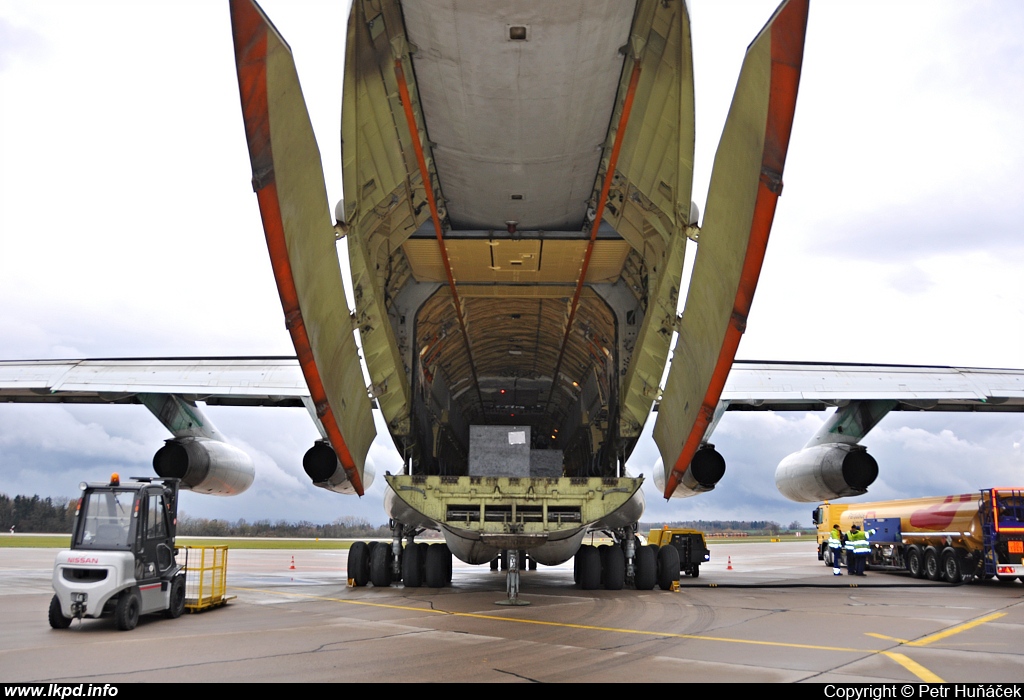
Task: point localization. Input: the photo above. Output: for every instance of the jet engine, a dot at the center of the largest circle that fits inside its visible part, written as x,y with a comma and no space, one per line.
706,469
822,472
205,465
322,466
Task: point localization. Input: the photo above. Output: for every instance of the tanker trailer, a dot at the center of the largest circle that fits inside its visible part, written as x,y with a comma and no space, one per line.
952,538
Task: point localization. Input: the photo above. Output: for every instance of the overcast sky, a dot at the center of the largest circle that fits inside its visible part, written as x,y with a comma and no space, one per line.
128,228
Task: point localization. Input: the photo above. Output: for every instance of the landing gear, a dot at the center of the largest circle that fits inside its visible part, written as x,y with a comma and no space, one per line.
380,565
588,563
512,580
359,564
438,566
646,569
668,568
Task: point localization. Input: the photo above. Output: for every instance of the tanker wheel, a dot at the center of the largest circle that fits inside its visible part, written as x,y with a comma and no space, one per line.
57,619
915,562
952,568
932,564
359,563
695,570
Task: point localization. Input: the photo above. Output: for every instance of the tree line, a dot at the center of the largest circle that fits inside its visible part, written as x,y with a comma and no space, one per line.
759,527
57,515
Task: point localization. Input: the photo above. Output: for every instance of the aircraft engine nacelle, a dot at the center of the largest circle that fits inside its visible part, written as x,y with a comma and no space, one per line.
322,466
706,470
827,471
205,466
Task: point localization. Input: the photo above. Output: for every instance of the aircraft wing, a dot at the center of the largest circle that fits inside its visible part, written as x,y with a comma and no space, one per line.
278,381
786,386
256,381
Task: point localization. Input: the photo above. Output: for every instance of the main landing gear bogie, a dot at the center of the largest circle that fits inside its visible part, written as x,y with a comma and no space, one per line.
419,564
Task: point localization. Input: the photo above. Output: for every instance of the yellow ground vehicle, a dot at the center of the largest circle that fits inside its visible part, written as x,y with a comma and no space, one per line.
693,550
953,538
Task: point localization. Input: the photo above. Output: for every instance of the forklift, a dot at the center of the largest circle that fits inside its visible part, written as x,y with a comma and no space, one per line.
122,560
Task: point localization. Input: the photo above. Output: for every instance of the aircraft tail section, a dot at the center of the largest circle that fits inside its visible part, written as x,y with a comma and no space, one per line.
288,181
745,185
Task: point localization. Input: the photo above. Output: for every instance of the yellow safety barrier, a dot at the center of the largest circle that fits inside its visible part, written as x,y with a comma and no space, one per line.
206,573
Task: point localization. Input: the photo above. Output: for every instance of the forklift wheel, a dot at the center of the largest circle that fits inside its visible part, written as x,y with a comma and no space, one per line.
126,614
57,619
177,602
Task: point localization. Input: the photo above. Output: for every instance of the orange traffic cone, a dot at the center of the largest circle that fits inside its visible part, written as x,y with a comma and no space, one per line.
293,562
728,568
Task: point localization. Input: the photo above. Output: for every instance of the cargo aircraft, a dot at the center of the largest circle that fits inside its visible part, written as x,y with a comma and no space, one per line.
517,181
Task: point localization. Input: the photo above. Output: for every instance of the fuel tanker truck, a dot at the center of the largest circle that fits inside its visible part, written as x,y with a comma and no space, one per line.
952,538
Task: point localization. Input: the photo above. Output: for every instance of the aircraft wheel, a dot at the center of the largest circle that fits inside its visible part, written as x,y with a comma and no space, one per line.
952,568
668,567
603,553
646,568
380,565
177,598
57,619
932,564
439,560
126,614
412,569
614,564
589,562
915,562
359,563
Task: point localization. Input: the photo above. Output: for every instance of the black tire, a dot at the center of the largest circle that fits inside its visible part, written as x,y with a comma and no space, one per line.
646,569
695,570
494,567
915,562
380,565
57,619
602,551
359,563
668,567
412,567
439,559
614,563
532,564
177,598
932,564
952,567
126,613
827,557
589,561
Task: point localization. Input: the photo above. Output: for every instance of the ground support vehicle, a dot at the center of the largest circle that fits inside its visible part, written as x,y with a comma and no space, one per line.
952,538
122,560
693,550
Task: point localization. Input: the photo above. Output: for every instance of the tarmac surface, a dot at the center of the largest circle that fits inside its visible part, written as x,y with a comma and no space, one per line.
778,615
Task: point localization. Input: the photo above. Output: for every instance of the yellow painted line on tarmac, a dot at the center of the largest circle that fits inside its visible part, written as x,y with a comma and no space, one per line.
924,641
914,667
917,669
885,636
